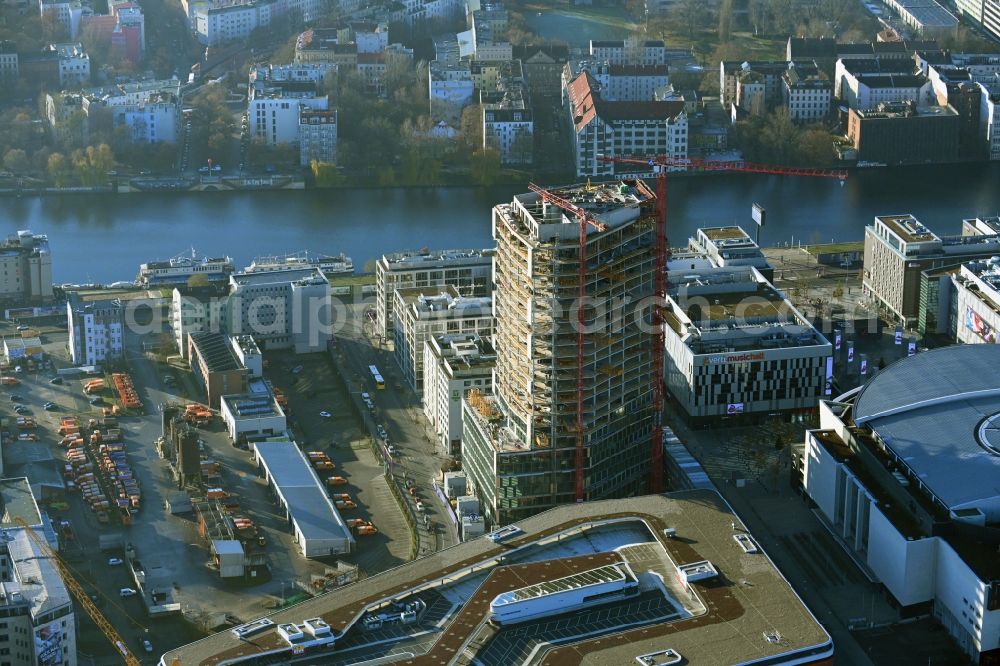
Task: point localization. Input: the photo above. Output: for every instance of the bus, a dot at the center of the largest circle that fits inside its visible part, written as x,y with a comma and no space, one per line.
379,382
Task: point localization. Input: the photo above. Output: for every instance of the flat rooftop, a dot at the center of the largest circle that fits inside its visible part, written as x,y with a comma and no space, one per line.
725,233
724,620
907,227
251,406
282,277
308,504
16,501
216,351
763,303
415,260
938,412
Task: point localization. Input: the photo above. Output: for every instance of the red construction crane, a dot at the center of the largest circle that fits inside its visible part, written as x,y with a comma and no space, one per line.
584,219
660,165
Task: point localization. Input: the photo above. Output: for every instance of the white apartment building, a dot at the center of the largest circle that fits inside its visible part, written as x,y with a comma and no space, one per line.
313,72
150,110
96,330
156,120
67,13
621,128
218,22
37,621
903,470
629,52
510,131
454,364
623,83
450,88
317,136
468,271
275,120
807,93
423,313
27,267
736,347
281,309
372,39
74,65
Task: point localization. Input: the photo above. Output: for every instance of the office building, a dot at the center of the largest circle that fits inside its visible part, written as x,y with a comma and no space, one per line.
721,247
39,624
991,17
27,268
602,127
454,364
903,470
96,330
601,544
284,309
216,367
422,313
898,248
519,446
317,136
737,347
895,133
468,271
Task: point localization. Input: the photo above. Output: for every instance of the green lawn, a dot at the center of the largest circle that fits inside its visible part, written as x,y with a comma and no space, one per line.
612,16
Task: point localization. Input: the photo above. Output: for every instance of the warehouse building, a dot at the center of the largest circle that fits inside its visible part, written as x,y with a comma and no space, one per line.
253,415
737,347
215,366
904,471
318,528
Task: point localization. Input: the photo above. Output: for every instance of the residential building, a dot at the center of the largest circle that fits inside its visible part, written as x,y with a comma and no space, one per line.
195,310
468,271
970,10
623,83
149,110
454,364
281,309
423,313
770,73
603,127
371,69
317,136
629,52
543,67
508,122
865,91
9,69
991,17
807,93
221,21
904,133
925,17
825,51
898,248
520,445
27,268
96,330
74,64
954,87
215,366
37,610
67,14
751,95
128,37
318,73
40,68
451,89
848,70
275,106
736,347
326,45
902,471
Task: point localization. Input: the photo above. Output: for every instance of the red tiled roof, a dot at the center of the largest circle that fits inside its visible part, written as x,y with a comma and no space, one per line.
587,103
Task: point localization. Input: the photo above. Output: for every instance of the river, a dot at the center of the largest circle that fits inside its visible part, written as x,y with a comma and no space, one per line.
104,238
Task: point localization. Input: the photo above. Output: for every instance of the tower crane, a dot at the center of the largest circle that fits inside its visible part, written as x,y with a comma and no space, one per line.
660,165
81,595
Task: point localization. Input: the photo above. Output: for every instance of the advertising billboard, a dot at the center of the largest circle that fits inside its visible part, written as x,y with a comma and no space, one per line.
899,335
864,365
975,323
850,352
829,376
734,408
911,347
838,338
48,644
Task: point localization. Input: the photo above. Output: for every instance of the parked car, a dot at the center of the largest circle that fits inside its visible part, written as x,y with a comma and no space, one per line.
50,406
97,400
56,380
115,561
126,592
16,398
21,409
325,414
147,646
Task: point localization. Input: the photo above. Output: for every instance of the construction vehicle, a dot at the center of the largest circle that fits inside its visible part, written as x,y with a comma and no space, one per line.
335,481
367,530
345,504
80,595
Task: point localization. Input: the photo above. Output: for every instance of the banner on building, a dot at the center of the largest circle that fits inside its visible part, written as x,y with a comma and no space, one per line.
838,338
899,335
850,352
49,645
829,376
734,408
864,365
977,325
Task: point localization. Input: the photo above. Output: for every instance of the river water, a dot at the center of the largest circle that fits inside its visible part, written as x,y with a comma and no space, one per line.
104,238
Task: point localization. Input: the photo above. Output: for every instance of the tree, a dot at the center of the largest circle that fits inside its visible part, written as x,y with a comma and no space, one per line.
725,20
691,14
471,127
59,169
485,166
324,174
198,280
16,160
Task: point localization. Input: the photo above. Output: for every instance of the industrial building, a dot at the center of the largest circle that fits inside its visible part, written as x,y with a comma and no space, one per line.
422,313
314,520
688,606
215,366
904,471
566,422
898,248
27,268
253,415
284,309
895,133
454,364
35,606
736,347
468,271
96,330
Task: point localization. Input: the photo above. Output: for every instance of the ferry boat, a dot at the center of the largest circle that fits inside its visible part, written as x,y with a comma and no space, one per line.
179,269
330,265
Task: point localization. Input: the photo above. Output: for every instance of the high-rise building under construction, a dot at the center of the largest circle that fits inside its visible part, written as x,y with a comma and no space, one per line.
570,418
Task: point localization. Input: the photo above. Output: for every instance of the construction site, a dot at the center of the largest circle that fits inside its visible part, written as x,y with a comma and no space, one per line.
571,416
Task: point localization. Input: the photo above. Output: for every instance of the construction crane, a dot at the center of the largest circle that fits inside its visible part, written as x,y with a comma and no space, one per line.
660,165
584,218
80,595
